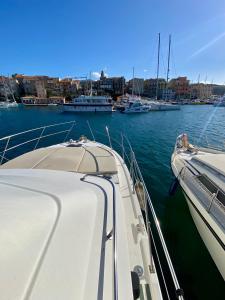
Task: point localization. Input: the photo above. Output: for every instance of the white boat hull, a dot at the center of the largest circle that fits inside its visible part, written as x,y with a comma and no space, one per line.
87,108
164,107
210,232
214,247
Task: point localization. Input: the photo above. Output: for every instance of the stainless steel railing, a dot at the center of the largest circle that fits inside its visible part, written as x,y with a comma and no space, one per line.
124,148
209,200
8,143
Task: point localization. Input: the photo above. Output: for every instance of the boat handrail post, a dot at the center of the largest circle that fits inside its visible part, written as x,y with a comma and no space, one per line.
107,131
89,126
5,149
214,195
151,267
132,170
40,136
122,145
69,131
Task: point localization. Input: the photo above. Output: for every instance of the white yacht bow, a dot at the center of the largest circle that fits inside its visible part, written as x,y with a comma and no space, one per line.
72,225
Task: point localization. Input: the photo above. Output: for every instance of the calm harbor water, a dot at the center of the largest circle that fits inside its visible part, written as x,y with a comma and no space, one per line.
152,136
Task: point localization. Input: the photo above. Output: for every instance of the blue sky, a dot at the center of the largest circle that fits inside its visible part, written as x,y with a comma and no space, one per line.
72,38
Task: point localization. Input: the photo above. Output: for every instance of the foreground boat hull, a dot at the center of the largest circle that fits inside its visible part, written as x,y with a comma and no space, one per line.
208,235
208,228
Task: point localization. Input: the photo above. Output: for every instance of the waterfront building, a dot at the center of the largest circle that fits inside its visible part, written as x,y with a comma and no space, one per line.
8,87
168,94
218,90
181,87
53,87
201,91
29,83
40,89
137,85
113,86
150,86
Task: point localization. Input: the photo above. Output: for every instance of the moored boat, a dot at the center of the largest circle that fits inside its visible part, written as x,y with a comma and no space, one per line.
163,106
72,224
220,102
201,174
136,107
8,104
89,104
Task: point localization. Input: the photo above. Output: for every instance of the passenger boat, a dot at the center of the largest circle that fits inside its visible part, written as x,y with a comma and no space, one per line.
136,107
201,174
89,104
71,222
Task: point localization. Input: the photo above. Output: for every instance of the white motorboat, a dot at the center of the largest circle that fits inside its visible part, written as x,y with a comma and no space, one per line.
136,107
201,174
89,104
220,102
71,223
163,106
8,104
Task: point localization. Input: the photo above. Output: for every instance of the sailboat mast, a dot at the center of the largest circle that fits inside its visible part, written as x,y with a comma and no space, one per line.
168,67
133,84
157,76
91,84
168,64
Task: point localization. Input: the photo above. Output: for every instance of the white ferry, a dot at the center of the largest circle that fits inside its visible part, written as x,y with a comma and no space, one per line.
89,104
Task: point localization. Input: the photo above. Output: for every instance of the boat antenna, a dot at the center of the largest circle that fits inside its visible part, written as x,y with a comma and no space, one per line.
168,66
157,76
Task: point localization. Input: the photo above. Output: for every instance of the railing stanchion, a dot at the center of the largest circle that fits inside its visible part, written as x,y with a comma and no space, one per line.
151,267
69,131
122,144
6,146
91,131
107,131
35,147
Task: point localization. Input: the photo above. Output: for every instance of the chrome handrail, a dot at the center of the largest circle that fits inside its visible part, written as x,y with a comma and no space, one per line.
135,175
208,200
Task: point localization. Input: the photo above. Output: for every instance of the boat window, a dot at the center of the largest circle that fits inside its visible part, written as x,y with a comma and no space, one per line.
207,183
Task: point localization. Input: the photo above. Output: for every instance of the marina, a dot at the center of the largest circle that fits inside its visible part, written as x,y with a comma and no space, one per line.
113,200
153,146
112,150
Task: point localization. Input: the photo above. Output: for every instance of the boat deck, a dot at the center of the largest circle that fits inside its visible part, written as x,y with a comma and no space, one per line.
78,158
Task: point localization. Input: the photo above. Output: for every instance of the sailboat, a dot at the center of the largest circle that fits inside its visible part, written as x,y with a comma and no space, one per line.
7,90
135,104
162,105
